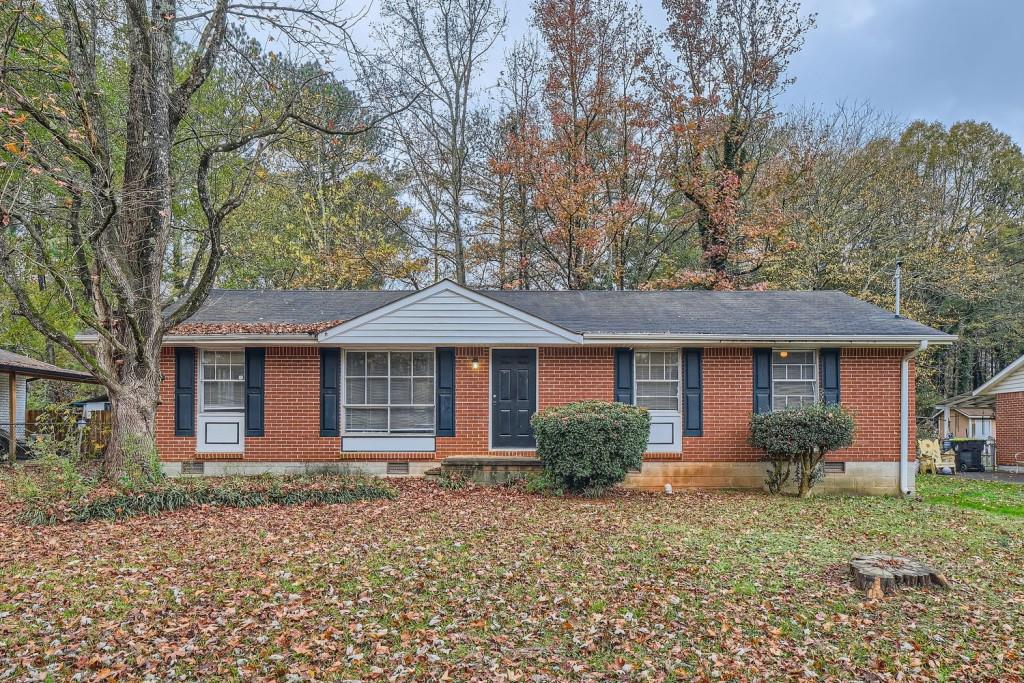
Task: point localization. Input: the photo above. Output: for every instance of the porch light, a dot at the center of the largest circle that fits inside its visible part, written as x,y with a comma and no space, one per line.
475,363
783,354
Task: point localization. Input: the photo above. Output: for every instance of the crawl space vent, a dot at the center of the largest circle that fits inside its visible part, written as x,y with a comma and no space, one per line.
191,468
395,468
835,468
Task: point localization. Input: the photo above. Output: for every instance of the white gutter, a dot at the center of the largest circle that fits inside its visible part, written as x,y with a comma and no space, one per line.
753,339
905,486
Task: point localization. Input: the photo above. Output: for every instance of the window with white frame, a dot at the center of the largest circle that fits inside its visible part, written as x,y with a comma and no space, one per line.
389,392
222,377
794,378
657,379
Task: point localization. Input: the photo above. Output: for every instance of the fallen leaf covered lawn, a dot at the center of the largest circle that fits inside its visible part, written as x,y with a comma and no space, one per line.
494,584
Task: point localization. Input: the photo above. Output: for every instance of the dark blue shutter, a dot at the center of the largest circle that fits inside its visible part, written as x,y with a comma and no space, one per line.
330,381
184,391
693,392
254,374
830,375
762,380
445,391
624,375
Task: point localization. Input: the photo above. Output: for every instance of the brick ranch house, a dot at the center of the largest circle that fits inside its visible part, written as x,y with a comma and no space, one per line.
394,382
1008,389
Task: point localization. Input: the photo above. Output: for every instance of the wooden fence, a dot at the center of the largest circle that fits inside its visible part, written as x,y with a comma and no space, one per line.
95,432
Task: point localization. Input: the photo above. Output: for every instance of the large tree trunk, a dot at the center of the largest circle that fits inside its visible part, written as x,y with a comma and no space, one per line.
132,428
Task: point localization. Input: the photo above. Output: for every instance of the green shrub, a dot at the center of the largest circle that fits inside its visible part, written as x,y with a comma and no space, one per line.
451,480
238,492
53,483
589,446
797,440
543,484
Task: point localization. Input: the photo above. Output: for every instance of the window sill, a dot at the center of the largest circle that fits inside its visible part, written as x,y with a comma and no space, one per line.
387,444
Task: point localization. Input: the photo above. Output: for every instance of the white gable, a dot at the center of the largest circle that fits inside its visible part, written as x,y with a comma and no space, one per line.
447,314
1010,380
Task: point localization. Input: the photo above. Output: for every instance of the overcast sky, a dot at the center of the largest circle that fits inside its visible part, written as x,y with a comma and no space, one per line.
944,60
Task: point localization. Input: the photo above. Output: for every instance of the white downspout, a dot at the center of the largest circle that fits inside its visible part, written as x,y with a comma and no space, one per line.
905,486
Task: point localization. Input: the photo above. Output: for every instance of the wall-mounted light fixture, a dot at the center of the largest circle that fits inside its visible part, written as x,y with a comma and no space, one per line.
783,354
475,363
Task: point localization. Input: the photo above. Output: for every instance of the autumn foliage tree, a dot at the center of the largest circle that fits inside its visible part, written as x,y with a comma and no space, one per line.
592,152
732,57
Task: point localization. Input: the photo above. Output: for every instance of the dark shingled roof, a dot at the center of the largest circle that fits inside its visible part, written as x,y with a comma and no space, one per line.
769,314
23,365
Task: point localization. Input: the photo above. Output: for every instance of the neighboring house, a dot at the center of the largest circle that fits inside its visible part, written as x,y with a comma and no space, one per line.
93,404
16,371
1008,389
966,416
394,382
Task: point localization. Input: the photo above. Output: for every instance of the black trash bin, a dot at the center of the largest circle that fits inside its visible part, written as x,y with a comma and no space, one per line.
968,454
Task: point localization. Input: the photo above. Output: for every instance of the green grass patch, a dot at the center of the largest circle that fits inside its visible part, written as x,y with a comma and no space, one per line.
971,494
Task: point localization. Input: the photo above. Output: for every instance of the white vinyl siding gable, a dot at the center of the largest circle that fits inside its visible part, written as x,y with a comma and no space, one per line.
448,317
1014,382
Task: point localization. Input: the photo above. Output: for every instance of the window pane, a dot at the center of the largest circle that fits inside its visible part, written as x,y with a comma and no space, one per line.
366,419
377,390
355,364
423,390
401,391
401,364
355,390
377,364
412,419
643,372
223,394
643,357
423,364
658,389
791,388
658,402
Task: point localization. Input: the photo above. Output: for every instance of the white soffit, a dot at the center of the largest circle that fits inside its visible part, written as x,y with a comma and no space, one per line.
448,314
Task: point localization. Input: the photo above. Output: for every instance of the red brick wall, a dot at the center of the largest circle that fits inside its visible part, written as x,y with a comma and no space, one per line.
870,389
564,375
1009,427
291,412
869,384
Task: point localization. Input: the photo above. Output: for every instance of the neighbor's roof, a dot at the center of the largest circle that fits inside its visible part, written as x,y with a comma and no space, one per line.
684,312
23,365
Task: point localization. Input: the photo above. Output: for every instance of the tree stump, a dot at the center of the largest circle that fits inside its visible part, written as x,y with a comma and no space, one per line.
880,574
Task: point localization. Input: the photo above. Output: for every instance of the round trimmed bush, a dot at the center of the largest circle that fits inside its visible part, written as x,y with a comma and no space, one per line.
801,438
589,446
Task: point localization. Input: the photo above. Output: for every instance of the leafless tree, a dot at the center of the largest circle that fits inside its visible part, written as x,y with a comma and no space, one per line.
438,47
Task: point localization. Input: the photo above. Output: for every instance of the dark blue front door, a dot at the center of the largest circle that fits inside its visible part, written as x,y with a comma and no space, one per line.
513,397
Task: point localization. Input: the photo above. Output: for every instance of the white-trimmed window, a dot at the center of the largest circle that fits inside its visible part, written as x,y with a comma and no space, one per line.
794,378
657,379
389,392
222,378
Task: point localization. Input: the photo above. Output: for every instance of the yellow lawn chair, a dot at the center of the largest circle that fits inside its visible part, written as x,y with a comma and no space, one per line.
928,454
933,459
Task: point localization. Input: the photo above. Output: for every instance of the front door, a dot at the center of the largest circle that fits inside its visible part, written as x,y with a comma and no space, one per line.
513,397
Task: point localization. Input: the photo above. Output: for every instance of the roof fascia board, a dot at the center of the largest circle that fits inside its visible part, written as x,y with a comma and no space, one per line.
998,378
62,375
332,334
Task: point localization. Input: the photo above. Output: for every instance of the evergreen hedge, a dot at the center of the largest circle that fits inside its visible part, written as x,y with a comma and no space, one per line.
589,446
